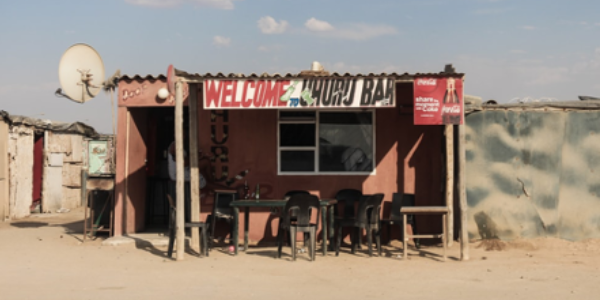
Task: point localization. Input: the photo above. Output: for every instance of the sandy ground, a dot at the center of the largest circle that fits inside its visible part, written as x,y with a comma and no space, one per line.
42,257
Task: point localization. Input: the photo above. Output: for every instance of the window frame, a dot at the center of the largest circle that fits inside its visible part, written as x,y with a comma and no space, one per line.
317,144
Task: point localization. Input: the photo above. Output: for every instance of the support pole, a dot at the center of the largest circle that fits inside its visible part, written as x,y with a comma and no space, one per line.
449,133
464,233
126,195
194,172
179,186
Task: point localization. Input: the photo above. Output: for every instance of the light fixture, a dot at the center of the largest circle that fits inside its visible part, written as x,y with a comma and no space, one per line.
163,93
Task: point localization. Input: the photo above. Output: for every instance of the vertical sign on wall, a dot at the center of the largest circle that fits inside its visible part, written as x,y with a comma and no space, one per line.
438,100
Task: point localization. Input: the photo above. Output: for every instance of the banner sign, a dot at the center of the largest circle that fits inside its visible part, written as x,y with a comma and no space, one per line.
301,93
438,100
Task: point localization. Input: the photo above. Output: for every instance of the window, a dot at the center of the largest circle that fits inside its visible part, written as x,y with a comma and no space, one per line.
326,142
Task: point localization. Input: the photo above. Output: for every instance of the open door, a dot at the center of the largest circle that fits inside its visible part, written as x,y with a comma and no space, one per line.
38,168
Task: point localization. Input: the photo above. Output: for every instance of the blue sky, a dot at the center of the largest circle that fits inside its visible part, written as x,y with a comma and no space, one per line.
507,48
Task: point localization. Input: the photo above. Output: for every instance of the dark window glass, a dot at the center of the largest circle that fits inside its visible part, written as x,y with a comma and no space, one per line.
297,161
346,118
293,135
292,115
346,142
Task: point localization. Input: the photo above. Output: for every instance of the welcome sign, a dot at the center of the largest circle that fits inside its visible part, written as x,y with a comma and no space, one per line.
300,93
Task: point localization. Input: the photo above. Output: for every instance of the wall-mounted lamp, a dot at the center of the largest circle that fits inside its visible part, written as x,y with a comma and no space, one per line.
163,93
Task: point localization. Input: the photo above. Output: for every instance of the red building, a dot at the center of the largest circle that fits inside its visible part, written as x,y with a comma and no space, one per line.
333,131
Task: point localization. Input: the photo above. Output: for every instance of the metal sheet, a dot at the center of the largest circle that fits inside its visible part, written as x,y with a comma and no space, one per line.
532,174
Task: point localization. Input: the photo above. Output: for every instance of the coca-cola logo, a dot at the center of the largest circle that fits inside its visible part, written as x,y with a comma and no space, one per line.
427,81
455,109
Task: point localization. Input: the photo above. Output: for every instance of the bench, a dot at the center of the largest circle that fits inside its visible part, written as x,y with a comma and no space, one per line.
423,210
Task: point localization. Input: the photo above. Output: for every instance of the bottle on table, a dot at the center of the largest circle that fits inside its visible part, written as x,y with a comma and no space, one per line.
246,190
257,192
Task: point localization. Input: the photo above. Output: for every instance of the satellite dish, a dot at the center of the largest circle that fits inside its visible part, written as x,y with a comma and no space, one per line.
81,73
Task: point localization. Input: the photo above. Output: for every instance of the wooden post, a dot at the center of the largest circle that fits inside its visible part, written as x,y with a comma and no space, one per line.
464,233
449,133
126,194
194,172
179,185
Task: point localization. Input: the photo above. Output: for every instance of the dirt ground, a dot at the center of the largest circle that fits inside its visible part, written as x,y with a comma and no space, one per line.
43,257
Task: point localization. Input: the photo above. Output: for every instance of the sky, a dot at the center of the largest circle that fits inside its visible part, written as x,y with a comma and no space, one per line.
508,49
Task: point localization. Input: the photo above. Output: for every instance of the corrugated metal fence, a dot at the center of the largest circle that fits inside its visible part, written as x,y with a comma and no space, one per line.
533,173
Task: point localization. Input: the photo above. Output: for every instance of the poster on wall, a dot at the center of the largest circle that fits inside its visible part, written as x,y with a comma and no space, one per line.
300,93
438,100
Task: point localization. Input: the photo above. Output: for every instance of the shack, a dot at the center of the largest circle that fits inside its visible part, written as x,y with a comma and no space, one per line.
533,170
275,147
40,165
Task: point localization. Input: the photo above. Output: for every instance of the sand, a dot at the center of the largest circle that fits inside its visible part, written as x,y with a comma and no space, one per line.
43,257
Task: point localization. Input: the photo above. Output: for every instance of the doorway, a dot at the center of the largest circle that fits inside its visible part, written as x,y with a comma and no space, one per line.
161,133
38,168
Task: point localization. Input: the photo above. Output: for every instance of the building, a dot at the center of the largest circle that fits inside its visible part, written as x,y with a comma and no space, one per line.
40,165
259,141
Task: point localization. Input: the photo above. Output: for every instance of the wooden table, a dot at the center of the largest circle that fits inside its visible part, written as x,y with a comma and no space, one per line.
423,210
247,204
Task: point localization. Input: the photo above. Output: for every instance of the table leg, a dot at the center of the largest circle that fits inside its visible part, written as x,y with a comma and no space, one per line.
324,218
404,238
330,225
246,227
444,241
236,227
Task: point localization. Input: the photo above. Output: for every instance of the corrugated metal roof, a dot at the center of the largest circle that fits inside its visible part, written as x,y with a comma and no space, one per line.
55,126
140,77
570,105
220,75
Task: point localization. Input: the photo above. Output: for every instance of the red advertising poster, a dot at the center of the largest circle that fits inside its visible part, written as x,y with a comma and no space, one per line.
438,100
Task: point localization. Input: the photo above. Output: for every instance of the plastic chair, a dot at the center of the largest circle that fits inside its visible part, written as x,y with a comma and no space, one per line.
172,226
348,198
293,213
301,204
367,218
400,200
294,192
221,211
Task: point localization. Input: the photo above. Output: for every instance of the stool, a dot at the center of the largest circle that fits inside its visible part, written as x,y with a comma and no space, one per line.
173,227
424,210
91,222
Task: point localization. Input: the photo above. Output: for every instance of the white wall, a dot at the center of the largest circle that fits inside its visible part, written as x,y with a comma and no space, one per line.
62,185
20,148
4,199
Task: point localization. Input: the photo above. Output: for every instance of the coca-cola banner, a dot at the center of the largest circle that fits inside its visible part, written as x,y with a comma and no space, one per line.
438,100
300,93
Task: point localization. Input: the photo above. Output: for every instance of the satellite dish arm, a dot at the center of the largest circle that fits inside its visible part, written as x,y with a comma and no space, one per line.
59,93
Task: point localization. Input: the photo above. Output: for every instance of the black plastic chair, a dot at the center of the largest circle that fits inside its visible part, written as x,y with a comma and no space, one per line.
367,218
301,204
395,218
295,192
172,226
293,214
221,211
348,198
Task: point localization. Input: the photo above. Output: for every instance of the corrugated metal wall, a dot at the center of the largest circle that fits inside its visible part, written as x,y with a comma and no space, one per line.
533,173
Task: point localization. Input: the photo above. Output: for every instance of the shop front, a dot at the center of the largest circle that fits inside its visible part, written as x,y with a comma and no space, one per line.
316,132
